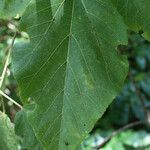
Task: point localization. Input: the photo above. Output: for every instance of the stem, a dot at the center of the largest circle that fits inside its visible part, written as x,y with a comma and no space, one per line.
107,139
5,70
10,99
7,61
2,104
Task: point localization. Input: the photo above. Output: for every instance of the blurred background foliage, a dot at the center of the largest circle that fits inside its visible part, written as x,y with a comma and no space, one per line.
131,105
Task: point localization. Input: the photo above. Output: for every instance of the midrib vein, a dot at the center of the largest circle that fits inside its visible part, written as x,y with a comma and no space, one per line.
65,80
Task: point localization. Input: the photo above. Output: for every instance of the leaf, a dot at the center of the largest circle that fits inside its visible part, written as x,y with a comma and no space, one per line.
8,139
136,14
130,140
138,140
23,129
10,8
70,68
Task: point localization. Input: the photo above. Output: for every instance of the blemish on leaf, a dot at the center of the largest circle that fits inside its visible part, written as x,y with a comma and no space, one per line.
121,49
67,143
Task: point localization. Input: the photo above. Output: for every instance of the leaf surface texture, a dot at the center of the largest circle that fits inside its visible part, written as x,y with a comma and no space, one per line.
70,67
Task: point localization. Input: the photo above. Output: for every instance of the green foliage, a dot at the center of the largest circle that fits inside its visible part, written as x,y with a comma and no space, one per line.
130,140
10,8
127,140
136,14
24,130
70,69
127,105
8,139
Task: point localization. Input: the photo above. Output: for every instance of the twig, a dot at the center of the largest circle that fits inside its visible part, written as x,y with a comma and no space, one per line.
7,61
107,139
5,70
2,104
10,99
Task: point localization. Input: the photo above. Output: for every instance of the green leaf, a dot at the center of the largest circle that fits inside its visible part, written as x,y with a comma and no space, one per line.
136,14
8,139
138,140
23,129
70,68
10,8
130,140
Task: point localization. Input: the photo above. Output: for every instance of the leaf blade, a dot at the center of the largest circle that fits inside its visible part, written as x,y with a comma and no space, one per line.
8,140
68,67
140,19
25,131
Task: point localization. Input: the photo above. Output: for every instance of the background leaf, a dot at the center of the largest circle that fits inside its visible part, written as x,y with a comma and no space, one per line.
8,139
23,129
10,8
